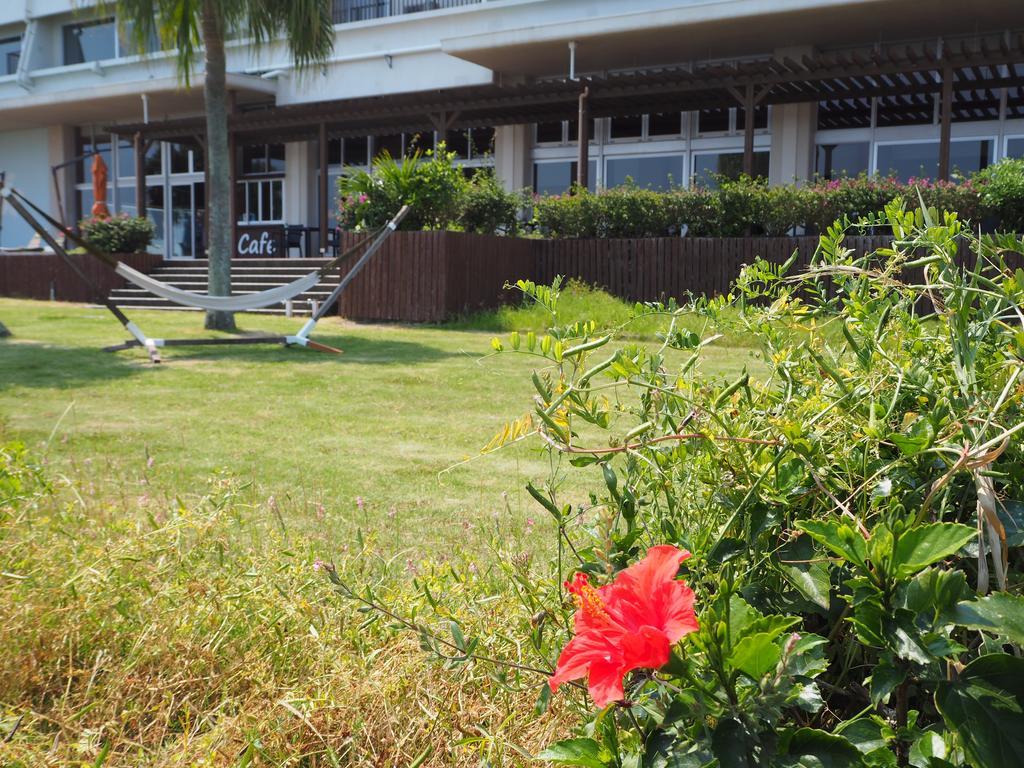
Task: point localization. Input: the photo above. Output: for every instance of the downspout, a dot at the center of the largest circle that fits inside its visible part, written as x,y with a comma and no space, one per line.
25,58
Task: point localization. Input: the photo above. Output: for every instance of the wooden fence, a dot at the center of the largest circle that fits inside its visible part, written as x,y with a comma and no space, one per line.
429,276
45,275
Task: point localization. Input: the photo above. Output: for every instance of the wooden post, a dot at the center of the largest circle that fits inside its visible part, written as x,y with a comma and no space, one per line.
140,175
323,188
748,130
945,118
583,138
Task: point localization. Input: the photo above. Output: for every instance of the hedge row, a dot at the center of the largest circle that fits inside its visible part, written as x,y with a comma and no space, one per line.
994,198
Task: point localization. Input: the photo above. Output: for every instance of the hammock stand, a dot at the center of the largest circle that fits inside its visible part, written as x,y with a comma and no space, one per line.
21,204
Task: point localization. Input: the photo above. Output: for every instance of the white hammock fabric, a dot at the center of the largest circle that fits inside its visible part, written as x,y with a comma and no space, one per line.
240,303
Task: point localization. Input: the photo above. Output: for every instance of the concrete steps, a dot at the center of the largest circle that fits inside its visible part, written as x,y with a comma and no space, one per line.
247,276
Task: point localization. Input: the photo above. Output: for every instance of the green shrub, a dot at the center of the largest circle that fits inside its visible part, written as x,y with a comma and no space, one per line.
850,522
1001,188
487,208
431,184
119,234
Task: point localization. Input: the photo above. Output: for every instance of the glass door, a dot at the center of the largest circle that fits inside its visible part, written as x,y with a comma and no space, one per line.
187,220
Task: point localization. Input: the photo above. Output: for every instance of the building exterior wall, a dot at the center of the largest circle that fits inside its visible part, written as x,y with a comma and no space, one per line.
25,157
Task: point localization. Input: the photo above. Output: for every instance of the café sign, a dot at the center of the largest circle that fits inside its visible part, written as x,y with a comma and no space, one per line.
259,242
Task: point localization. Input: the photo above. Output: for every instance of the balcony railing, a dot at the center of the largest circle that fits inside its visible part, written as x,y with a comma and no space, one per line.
363,10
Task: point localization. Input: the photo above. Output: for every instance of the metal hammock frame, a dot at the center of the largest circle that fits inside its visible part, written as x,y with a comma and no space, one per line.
22,204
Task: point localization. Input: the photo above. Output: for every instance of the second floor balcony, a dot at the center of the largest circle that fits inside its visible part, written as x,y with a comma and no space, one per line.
346,11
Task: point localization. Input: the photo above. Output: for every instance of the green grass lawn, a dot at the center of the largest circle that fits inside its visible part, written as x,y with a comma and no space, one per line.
387,421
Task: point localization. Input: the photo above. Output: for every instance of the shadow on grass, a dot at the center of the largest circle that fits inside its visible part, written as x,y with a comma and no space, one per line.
355,350
37,365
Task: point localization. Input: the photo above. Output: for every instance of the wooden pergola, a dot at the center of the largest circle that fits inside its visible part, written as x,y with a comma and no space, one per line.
969,79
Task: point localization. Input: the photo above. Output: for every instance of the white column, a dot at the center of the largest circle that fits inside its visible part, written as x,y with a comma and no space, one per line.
299,180
512,156
792,156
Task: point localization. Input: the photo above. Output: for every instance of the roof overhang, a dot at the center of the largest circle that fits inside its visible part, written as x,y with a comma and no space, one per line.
104,103
718,29
904,76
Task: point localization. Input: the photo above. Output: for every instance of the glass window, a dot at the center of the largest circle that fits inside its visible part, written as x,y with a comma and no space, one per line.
707,167
125,158
260,201
833,161
659,173
481,142
1015,147
126,200
760,118
715,120
392,144
275,158
573,131
458,142
627,127
179,156
262,158
155,212
154,164
549,133
355,151
664,124
90,41
10,52
334,151
557,178
86,150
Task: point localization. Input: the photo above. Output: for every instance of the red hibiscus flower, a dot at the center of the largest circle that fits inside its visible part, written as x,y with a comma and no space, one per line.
626,625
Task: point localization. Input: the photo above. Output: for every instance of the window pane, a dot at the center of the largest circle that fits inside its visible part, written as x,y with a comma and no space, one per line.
252,202
125,158
155,212
760,118
664,124
355,151
458,142
967,157
10,52
275,158
727,164
154,163
549,133
482,142
126,200
552,178
392,144
713,120
276,202
423,141
834,161
254,158
334,151
905,161
557,178
181,220
179,157
91,41
87,150
1015,147
627,127
659,173
573,131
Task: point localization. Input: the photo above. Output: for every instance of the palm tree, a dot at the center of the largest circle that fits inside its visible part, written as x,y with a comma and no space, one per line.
191,25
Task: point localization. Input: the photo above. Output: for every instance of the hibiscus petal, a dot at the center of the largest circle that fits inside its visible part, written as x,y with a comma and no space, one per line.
661,564
583,651
646,649
675,605
605,683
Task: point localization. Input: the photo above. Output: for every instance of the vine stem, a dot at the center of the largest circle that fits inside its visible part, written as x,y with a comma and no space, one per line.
563,448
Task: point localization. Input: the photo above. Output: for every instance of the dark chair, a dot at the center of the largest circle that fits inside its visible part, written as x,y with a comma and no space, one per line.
333,244
293,238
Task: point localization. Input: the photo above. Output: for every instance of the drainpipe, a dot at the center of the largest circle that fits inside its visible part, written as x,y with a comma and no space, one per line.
25,59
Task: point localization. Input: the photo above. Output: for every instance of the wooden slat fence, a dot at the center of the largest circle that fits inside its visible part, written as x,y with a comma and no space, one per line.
45,275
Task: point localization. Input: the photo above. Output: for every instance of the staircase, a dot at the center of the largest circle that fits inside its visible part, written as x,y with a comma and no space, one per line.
247,276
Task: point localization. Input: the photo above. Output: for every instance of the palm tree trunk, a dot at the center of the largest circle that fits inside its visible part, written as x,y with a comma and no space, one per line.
219,172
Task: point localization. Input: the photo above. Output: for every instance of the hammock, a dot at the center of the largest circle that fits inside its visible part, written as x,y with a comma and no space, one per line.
238,303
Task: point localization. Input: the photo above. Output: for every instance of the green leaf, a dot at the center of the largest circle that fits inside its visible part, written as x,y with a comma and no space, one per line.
916,439
985,706
884,679
811,748
756,654
733,744
838,537
919,547
999,613
584,752
1011,514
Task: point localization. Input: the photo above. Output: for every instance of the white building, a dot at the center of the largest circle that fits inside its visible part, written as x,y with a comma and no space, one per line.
835,86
